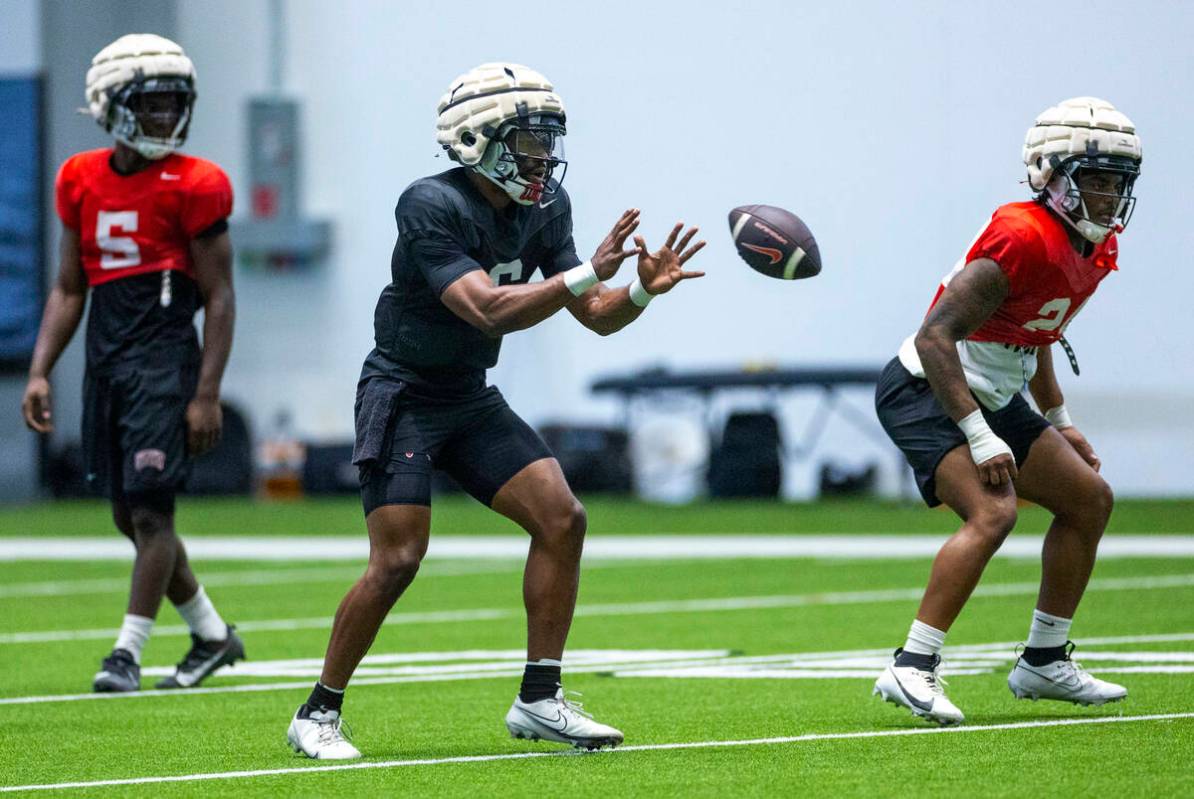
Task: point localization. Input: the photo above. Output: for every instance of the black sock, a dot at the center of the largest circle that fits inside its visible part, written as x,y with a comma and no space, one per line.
539,682
324,698
1043,656
916,661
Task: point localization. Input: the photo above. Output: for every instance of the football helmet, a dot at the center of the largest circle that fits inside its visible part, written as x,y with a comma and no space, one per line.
1083,134
120,77
506,122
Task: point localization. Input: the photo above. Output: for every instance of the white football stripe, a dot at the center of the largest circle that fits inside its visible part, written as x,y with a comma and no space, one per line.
774,741
793,262
741,223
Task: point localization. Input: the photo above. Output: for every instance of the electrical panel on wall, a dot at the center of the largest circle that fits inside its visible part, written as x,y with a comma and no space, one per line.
276,235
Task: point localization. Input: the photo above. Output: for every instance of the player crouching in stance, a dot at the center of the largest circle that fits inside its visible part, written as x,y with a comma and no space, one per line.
145,229
469,239
951,401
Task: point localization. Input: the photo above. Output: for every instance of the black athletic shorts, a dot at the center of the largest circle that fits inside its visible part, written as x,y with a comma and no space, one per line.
134,430
921,428
479,442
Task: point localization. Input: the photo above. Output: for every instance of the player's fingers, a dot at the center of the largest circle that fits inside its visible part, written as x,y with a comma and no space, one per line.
671,237
691,251
625,231
642,244
687,237
627,253
688,275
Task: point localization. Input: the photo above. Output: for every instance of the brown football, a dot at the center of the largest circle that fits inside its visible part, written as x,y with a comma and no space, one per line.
775,242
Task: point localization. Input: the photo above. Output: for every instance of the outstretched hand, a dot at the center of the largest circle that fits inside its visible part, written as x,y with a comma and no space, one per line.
661,270
610,255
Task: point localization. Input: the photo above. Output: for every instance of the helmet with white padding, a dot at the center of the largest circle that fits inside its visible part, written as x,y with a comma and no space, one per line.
123,73
506,122
1083,134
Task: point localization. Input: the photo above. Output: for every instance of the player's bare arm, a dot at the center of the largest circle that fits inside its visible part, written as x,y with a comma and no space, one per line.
1046,392
606,310
497,310
64,309
968,301
213,274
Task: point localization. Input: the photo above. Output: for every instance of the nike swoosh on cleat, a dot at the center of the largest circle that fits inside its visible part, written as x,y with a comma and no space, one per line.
920,703
550,723
186,680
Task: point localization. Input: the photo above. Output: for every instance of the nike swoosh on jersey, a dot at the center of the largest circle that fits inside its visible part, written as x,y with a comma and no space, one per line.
170,176
549,202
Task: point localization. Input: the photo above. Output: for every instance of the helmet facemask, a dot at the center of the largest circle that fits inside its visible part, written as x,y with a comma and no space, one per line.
141,116
1113,208
523,157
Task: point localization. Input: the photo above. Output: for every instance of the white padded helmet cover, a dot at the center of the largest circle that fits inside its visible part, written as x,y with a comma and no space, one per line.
1077,127
134,56
479,101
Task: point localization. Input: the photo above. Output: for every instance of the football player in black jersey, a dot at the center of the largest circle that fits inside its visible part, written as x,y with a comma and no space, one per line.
469,240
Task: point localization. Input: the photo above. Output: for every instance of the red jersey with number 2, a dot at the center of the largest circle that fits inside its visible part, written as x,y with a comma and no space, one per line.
140,223
1049,281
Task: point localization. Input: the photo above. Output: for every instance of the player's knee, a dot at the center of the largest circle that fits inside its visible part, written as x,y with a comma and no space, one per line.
564,526
994,522
148,523
123,519
393,569
1090,509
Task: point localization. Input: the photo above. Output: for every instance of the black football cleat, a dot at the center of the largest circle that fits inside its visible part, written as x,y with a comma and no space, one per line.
119,673
204,658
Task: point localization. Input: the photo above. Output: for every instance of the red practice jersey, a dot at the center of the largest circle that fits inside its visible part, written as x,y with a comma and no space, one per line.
1049,281
135,233
134,224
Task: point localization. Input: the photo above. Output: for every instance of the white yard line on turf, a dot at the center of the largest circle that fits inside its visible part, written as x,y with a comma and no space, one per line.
636,547
325,574
585,663
775,741
625,608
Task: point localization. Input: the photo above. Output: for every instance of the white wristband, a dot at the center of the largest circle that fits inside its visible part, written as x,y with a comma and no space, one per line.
580,279
1059,417
639,295
984,444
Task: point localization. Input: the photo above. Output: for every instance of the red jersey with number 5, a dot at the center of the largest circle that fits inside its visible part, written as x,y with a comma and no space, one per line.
144,222
1049,281
135,233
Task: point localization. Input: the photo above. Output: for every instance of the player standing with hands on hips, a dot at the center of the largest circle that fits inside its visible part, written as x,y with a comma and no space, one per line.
952,402
469,239
145,230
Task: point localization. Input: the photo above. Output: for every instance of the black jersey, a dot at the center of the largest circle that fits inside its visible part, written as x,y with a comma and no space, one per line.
446,229
143,319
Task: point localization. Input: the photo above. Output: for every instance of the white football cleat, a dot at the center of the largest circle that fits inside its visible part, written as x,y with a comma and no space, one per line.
559,719
920,690
1063,680
319,735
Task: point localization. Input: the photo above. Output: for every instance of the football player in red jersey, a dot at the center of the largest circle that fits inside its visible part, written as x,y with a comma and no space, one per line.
952,402
145,230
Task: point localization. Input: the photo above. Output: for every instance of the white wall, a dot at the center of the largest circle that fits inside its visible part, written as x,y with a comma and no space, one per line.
892,129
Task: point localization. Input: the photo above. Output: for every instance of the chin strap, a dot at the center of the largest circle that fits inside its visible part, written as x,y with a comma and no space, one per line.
1069,352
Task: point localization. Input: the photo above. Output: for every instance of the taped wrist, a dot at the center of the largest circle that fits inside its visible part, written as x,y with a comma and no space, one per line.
984,444
580,279
1059,417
